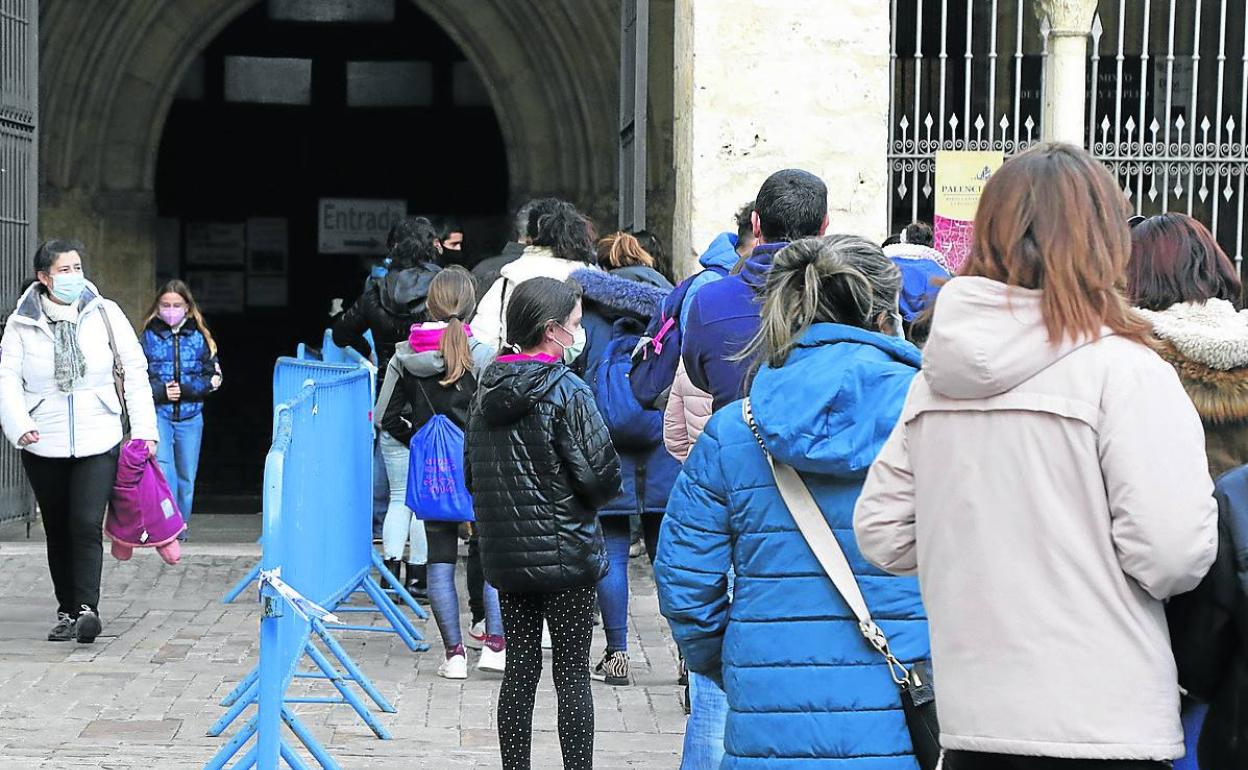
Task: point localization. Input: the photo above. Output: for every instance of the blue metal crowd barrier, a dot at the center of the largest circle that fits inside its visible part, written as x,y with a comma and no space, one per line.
317,555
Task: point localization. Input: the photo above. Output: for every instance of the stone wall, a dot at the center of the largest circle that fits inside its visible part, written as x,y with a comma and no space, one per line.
771,84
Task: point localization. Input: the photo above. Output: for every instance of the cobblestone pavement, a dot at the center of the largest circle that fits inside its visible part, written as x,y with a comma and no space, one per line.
144,695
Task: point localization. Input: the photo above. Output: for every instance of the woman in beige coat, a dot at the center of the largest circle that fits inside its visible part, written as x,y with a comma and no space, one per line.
1047,482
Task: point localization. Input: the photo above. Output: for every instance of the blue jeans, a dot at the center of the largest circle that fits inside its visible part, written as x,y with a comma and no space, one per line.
704,732
1193,720
401,527
381,490
178,455
613,588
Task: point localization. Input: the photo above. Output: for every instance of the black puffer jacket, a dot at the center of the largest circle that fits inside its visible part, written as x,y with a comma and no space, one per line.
539,463
1209,633
389,306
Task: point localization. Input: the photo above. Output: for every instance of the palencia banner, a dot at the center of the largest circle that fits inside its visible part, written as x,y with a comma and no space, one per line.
960,179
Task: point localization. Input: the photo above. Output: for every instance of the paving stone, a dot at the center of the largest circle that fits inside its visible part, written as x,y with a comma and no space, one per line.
145,695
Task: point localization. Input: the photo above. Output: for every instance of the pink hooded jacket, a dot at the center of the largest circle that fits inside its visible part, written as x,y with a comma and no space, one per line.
685,417
1050,499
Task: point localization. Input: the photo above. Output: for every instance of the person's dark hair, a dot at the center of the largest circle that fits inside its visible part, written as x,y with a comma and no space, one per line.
538,209
791,204
918,233
1175,258
520,225
653,245
841,279
402,230
533,305
745,221
444,226
51,250
891,240
417,248
564,231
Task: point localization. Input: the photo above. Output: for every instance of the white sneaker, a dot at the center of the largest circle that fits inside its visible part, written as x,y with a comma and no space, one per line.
494,662
476,637
546,643
455,667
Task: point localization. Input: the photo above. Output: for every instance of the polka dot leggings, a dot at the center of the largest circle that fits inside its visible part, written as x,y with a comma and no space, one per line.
570,617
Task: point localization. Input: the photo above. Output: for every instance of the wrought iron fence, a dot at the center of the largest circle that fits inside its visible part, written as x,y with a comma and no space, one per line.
1166,98
19,106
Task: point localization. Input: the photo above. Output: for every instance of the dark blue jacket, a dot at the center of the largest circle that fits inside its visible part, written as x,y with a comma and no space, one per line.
722,321
184,357
805,691
648,476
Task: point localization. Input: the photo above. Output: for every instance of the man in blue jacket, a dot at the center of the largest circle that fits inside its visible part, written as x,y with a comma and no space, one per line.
724,315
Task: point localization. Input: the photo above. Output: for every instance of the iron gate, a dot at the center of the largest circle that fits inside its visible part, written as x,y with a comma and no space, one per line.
19,107
1167,106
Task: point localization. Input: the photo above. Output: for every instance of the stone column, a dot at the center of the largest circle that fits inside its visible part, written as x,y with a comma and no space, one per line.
1065,69
770,84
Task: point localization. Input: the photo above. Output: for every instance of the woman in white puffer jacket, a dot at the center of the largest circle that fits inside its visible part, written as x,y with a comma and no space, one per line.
60,405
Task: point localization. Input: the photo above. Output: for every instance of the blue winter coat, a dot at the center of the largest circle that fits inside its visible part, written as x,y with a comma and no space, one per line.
721,255
184,357
805,691
647,476
722,320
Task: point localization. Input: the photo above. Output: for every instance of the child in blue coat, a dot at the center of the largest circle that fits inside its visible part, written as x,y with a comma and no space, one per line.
183,369
804,689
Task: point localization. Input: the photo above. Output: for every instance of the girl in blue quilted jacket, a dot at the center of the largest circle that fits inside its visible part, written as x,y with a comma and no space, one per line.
804,689
183,369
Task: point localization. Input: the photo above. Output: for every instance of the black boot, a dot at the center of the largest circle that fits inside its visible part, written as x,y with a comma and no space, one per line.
395,566
417,585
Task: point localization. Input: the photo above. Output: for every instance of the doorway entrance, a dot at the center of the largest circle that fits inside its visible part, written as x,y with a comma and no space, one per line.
295,106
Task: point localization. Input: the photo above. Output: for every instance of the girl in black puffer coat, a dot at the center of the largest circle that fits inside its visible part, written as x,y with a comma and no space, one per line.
540,465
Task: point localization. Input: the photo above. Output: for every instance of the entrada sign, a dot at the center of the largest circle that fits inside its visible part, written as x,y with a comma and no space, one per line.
355,225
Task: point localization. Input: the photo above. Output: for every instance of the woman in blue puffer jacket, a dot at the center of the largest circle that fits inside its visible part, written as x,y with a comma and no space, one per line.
804,689
183,369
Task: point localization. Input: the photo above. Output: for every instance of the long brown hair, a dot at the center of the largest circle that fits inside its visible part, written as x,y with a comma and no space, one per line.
192,310
452,298
622,250
1053,219
1175,258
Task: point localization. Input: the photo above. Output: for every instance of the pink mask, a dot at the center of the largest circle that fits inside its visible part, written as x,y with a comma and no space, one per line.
173,316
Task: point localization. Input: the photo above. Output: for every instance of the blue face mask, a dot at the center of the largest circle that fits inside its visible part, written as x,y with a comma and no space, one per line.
68,287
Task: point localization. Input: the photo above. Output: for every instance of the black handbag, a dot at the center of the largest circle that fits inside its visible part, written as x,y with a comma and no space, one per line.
918,691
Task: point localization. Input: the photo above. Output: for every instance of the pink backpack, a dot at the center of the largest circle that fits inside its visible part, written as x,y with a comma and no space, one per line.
142,512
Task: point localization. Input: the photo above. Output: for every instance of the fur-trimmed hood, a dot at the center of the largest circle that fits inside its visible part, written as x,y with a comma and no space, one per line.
916,251
615,297
1207,343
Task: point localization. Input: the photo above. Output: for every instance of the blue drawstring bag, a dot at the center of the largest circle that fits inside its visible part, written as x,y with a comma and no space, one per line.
435,473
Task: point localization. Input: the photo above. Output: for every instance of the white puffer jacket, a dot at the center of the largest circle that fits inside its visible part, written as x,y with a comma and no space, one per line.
86,421
490,324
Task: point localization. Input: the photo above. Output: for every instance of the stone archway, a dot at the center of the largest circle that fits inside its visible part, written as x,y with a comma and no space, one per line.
110,71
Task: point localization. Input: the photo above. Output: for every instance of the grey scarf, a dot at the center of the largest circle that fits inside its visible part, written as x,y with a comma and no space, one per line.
69,366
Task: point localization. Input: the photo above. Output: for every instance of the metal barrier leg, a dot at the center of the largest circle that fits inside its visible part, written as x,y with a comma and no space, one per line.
247,762
231,747
243,687
397,586
241,585
292,759
354,700
352,670
309,741
272,684
240,705
402,626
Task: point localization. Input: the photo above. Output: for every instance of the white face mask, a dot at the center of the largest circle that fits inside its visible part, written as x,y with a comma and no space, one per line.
572,351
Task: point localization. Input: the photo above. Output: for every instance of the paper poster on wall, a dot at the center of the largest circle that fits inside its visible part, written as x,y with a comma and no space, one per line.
216,244
267,291
268,246
960,179
218,291
357,226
